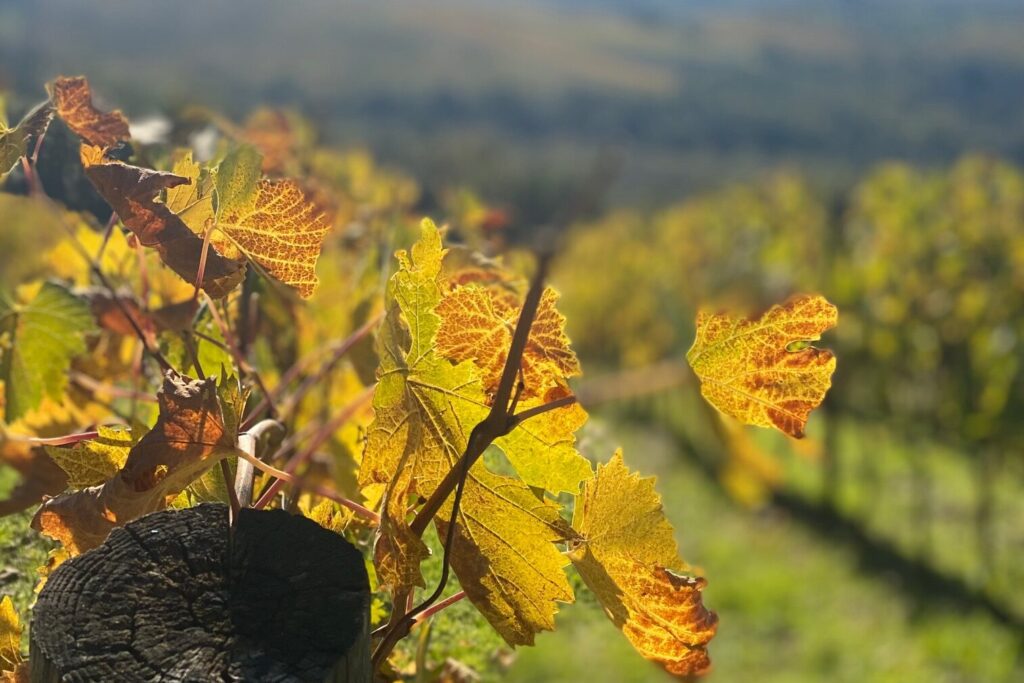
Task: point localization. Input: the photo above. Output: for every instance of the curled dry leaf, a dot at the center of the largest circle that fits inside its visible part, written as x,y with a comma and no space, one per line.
132,192
14,141
763,371
628,557
73,99
188,438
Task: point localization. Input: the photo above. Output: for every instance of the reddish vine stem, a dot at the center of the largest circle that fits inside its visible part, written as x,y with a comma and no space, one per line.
292,401
322,435
434,609
243,365
319,490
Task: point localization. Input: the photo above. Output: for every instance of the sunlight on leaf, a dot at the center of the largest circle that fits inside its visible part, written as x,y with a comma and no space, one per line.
628,557
37,342
760,371
90,463
73,99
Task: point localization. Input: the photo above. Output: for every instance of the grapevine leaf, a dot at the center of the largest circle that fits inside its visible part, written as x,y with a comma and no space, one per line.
131,191
73,99
39,476
10,636
760,371
272,222
14,141
424,409
187,439
477,324
628,557
37,342
90,463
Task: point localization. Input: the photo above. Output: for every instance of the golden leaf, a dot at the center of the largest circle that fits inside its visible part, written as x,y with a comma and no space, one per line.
273,222
628,557
10,635
424,409
73,99
477,324
131,191
764,372
187,439
90,463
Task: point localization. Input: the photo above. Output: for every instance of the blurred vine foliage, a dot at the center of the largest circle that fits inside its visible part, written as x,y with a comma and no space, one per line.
198,310
926,266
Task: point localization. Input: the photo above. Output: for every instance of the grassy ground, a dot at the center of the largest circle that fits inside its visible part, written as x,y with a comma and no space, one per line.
791,607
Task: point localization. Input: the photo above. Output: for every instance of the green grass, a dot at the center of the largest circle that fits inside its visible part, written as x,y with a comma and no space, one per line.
792,608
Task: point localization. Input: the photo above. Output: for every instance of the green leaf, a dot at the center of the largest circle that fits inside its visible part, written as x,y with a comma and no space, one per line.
37,343
237,177
14,141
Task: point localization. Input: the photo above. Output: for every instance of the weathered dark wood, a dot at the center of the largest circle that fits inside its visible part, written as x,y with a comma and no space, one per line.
175,596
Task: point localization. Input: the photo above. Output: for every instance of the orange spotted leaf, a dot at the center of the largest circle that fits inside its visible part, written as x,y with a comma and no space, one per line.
132,192
188,438
477,324
73,99
272,222
764,371
628,557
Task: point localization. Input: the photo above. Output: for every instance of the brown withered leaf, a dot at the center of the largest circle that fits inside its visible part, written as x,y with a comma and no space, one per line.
131,191
188,438
477,324
73,99
628,557
764,372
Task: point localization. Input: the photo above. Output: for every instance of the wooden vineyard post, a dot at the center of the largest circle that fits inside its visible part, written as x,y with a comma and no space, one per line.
178,595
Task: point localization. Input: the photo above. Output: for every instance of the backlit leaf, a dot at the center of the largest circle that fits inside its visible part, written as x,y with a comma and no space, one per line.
272,222
477,324
10,636
628,557
90,463
425,407
14,141
37,342
187,439
760,371
73,99
132,191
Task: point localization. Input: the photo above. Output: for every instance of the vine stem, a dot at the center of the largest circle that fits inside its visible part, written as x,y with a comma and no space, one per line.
435,608
305,454
292,401
65,440
229,339
319,490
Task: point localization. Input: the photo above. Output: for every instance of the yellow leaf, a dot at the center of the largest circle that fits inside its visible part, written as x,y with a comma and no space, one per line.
273,222
477,324
73,99
425,407
14,142
188,438
89,463
760,371
10,636
628,557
